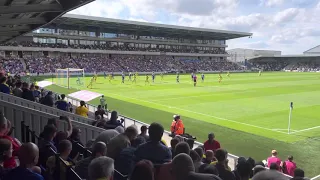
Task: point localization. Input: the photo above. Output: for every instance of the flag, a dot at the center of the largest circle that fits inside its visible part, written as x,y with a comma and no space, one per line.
291,105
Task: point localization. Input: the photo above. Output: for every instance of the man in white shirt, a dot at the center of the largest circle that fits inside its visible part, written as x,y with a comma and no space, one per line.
103,103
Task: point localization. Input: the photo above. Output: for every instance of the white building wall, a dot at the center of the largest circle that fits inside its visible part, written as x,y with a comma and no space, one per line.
240,54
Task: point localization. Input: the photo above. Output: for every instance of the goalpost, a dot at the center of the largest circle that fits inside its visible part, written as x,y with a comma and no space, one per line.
70,78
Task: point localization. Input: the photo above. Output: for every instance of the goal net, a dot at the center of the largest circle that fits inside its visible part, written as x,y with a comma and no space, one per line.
70,78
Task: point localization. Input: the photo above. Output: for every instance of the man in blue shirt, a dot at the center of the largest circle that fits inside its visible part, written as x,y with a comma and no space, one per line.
154,150
46,143
62,104
4,88
28,157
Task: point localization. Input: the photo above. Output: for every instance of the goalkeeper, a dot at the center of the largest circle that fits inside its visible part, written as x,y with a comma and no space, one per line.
103,103
79,81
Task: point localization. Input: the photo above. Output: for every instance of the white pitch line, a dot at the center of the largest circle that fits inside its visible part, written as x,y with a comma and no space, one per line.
284,130
219,118
308,129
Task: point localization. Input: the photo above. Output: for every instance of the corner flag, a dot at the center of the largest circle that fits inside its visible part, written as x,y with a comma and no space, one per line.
290,114
291,105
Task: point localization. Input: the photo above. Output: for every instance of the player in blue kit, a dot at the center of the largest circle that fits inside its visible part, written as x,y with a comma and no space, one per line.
153,76
178,78
202,77
123,76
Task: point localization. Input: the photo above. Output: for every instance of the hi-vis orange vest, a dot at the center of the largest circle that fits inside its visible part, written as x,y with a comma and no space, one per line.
177,127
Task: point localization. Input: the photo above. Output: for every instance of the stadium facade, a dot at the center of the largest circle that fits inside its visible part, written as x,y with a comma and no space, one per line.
241,54
76,35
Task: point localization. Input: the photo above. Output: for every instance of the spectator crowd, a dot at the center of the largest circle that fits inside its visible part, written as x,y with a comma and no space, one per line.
121,153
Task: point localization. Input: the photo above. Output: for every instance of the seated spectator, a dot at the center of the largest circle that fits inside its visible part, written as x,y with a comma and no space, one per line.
26,92
274,166
99,149
182,166
4,129
17,91
5,153
76,144
257,169
143,133
64,150
298,174
4,88
209,157
113,122
28,158
199,150
37,93
182,147
269,175
46,143
82,110
190,142
62,104
211,143
61,135
121,141
177,127
106,135
48,100
125,163
100,111
243,170
274,159
101,168
143,171
289,166
174,141
196,160
154,150
221,165
208,169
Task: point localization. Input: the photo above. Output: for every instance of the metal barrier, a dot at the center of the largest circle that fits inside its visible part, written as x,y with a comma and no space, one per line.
44,108
26,133
36,120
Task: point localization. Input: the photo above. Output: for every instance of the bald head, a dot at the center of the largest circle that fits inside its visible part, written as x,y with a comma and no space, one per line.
99,149
28,155
182,165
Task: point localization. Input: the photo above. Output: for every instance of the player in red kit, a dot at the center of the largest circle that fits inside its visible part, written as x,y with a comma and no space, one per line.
194,80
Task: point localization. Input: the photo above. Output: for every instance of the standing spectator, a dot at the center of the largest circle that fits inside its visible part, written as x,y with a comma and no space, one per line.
76,144
82,110
121,141
46,143
62,104
221,165
101,168
289,166
26,92
154,150
4,124
143,133
177,127
64,150
243,170
5,153
48,100
17,91
124,163
274,158
143,171
211,143
37,93
28,157
99,149
4,88
100,111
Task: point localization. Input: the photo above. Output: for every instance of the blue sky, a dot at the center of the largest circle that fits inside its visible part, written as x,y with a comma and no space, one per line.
291,26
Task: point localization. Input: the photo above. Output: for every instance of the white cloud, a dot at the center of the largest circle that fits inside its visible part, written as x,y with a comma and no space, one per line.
271,3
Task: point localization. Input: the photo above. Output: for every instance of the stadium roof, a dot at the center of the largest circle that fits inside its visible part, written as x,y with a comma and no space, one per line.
89,23
18,17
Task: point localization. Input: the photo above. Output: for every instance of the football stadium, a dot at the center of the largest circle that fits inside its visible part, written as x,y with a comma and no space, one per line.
99,98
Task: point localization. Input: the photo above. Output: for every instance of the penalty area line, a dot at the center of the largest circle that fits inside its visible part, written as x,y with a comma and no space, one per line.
218,118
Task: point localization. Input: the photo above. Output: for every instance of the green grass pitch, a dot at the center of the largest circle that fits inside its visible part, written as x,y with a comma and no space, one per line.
248,113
